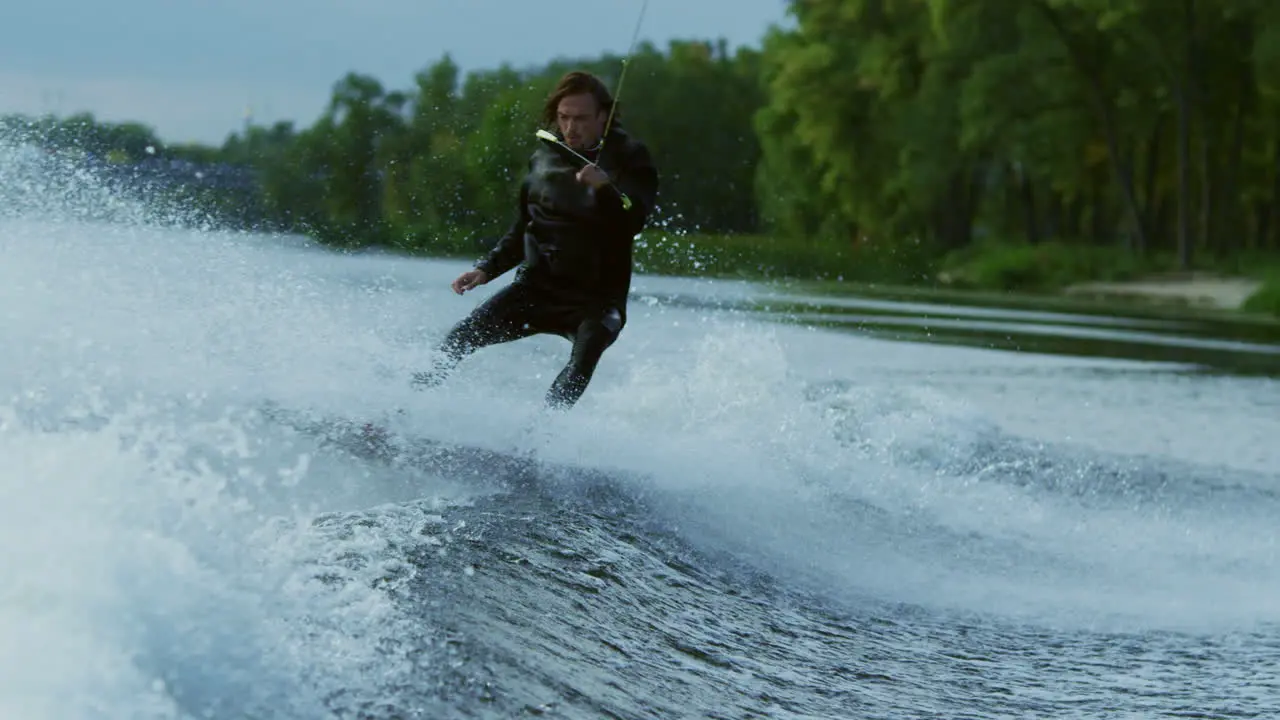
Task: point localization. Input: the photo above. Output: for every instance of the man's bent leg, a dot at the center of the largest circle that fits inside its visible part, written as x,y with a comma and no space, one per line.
594,336
502,318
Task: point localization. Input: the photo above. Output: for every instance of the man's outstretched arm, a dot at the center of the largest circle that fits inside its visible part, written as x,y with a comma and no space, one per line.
509,251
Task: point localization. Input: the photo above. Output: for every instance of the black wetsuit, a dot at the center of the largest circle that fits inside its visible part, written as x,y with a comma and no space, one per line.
573,245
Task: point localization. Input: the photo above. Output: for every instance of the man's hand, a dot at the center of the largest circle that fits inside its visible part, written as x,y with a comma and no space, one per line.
469,280
592,175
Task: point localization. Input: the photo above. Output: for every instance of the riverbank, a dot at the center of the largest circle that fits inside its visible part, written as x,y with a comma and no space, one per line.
1203,297
1194,290
1048,276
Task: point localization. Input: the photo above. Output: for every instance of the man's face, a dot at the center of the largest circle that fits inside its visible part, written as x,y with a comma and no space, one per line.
581,121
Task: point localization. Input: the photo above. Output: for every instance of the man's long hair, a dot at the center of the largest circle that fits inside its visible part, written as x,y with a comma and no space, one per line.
577,82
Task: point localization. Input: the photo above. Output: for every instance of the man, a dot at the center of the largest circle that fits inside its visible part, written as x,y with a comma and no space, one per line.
572,238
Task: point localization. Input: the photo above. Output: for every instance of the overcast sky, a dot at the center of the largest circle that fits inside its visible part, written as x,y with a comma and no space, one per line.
190,68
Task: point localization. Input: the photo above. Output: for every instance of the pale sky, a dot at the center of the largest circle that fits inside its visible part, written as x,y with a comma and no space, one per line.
190,68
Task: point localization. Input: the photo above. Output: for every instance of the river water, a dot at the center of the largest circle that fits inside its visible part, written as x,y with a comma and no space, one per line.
764,506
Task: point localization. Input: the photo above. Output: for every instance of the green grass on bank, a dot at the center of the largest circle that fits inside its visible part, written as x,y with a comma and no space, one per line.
991,274
1043,268
765,257
1266,300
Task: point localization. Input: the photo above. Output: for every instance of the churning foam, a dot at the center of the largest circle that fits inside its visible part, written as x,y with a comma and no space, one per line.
817,487
160,559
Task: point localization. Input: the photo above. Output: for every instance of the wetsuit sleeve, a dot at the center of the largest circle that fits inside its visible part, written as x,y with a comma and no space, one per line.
509,250
638,179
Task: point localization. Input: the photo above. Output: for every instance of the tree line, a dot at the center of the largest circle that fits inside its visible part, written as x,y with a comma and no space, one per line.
1148,126
881,137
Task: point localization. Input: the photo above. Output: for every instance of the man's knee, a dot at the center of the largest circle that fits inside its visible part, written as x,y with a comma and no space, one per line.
602,330
613,321
464,336
594,337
